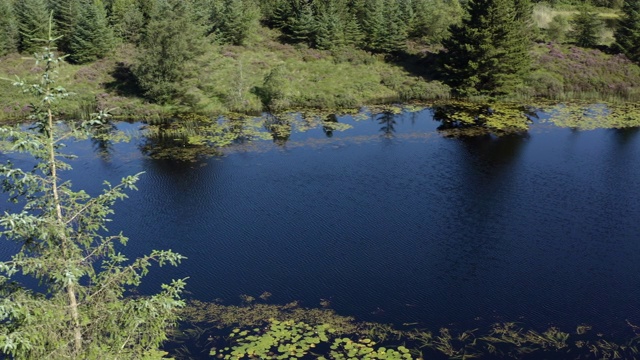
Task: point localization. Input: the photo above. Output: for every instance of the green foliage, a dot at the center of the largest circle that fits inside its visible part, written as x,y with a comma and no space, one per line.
383,26
488,53
272,331
92,37
171,43
8,28
301,25
433,18
558,28
594,116
79,310
571,72
330,27
235,20
273,90
627,33
470,118
32,17
66,15
586,27
126,19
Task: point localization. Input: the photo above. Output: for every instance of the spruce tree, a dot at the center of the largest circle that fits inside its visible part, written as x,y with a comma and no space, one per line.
432,19
627,33
92,37
352,32
373,24
282,11
237,19
171,42
302,24
126,20
394,34
66,14
488,52
8,28
407,15
586,27
329,27
79,310
32,17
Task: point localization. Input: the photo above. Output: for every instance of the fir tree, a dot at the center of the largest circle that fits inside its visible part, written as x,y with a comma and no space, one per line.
32,17
627,33
488,52
586,27
8,28
92,37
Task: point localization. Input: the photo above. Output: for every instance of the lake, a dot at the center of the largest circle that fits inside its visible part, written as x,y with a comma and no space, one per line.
392,222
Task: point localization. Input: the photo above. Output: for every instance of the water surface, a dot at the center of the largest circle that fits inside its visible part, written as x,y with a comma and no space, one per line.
392,222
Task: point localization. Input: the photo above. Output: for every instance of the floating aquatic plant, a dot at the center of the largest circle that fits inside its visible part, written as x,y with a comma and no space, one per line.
269,331
594,116
460,118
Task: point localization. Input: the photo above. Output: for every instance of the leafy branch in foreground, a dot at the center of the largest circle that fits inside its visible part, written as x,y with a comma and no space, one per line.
80,309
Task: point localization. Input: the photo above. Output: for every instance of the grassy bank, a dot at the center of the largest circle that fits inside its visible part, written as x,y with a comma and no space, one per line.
229,79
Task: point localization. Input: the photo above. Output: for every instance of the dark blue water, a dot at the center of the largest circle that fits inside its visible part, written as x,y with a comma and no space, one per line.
392,222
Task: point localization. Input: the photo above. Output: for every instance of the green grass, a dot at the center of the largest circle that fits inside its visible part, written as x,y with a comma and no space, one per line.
226,80
543,15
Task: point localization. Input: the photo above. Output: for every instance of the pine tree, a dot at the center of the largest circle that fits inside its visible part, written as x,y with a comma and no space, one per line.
586,27
32,17
8,28
171,42
79,311
488,52
92,37
627,33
